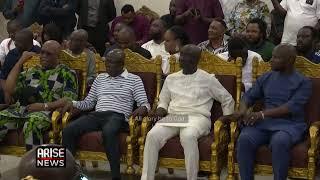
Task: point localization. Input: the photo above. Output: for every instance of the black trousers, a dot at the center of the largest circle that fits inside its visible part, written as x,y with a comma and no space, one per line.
110,123
98,36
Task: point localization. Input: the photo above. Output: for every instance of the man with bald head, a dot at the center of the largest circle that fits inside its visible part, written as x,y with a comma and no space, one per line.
36,92
184,108
280,125
77,47
112,96
126,39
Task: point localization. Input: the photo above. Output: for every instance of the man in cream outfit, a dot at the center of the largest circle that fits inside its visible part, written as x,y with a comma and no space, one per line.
185,103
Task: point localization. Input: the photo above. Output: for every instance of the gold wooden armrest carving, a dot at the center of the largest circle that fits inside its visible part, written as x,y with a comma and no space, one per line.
234,133
145,128
132,142
54,133
65,120
219,126
314,139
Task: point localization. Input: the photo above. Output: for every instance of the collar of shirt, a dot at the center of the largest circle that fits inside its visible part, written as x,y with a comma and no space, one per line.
124,74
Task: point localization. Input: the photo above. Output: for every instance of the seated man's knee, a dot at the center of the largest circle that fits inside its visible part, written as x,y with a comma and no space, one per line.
280,140
245,138
152,136
189,135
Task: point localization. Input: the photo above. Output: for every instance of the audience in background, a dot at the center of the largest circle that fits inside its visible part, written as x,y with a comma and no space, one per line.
237,47
13,26
216,42
126,39
23,42
256,36
51,32
297,14
77,47
113,36
243,12
23,10
138,23
60,12
174,39
94,16
169,18
306,39
156,45
196,15
277,21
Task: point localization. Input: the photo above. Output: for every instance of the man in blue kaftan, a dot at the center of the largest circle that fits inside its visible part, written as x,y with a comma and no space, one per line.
281,123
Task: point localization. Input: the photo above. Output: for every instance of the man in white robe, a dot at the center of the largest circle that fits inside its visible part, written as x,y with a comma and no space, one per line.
185,103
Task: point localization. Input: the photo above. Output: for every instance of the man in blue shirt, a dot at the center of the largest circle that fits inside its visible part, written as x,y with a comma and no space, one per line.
23,42
281,123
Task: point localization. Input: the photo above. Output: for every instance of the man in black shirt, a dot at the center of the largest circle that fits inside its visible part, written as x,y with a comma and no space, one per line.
126,39
23,42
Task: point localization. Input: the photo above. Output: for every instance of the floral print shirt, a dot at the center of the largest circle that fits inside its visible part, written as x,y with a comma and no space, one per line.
243,13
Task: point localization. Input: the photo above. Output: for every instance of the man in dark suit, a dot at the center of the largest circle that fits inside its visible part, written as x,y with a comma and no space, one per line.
94,16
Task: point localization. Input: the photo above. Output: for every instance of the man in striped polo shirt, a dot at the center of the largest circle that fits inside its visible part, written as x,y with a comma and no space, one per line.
112,95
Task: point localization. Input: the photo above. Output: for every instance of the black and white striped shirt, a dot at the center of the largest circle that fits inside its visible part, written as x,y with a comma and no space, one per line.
115,94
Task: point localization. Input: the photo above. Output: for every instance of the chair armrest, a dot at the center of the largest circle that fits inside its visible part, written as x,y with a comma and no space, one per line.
314,139
134,126
220,132
65,119
54,120
54,132
145,128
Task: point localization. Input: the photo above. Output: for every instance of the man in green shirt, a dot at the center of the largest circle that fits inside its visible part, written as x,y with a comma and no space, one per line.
256,37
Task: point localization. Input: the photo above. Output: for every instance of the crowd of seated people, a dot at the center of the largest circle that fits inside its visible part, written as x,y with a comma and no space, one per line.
29,96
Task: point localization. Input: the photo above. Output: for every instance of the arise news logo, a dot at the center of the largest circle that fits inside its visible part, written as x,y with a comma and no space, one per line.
51,156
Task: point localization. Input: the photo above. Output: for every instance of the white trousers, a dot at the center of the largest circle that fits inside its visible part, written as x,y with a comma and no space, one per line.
157,138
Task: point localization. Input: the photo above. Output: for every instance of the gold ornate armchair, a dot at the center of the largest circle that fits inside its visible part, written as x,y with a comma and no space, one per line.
90,146
213,147
304,155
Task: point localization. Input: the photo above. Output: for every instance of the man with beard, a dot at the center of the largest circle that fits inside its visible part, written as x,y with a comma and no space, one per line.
256,36
156,45
305,44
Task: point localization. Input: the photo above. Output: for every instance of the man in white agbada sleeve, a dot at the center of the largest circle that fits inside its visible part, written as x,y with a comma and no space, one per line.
185,108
